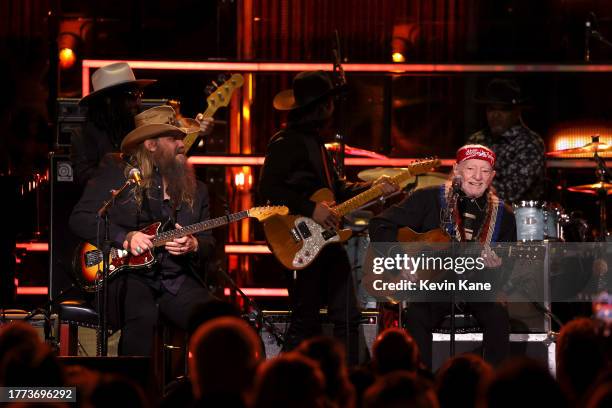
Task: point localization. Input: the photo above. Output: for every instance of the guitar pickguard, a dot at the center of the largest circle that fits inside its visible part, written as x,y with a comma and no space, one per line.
313,240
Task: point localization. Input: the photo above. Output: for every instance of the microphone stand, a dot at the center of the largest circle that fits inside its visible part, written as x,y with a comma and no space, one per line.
102,292
262,320
448,218
589,33
340,83
603,175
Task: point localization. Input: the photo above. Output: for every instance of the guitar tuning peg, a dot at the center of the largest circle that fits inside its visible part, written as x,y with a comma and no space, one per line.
222,78
209,89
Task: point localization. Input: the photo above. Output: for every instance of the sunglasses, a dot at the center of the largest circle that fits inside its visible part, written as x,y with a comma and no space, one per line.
137,93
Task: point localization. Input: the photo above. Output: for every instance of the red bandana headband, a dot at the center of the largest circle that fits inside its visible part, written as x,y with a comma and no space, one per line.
476,151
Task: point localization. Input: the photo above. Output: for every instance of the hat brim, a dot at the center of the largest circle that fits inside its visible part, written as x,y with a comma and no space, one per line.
285,100
137,84
142,133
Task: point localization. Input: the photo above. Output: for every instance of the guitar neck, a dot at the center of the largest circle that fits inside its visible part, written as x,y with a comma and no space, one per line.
368,195
192,138
161,239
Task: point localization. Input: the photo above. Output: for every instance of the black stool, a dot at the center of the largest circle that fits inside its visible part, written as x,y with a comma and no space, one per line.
72,315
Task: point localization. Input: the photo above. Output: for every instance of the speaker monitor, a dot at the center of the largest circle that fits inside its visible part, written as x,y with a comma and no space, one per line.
65,193
539,346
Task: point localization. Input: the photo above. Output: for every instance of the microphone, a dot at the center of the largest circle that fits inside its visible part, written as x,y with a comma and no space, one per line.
468,225
135,177
456,184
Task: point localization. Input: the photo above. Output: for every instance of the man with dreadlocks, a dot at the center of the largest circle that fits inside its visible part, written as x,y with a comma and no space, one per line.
111,108
168,191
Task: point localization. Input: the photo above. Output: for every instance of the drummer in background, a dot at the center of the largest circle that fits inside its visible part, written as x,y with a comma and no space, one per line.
519,150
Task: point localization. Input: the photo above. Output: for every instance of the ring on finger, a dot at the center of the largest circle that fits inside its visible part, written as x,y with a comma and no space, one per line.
138,249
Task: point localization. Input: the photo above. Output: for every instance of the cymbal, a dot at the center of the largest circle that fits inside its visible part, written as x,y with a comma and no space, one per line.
354,151
377,172
430,179
421,181
592,188
589,148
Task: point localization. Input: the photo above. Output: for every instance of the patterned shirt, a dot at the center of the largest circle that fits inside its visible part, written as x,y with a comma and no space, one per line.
520,163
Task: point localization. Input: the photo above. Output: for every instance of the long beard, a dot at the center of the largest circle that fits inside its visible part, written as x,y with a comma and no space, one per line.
180,177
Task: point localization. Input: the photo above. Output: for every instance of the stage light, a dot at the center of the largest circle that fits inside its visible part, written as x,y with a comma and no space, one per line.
398,57
67,58
67,43
243,179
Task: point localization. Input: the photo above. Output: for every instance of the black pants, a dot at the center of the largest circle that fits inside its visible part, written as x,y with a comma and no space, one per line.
136,303
421,318
328,280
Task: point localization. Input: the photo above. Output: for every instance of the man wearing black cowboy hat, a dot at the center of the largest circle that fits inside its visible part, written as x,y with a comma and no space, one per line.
519,150
111,108
296,166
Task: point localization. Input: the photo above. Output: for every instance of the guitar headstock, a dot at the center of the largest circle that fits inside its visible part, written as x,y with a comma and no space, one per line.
423,166
222,94
418,167
261,213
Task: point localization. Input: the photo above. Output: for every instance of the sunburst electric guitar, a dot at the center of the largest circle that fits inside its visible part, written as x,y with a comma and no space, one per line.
297,240
88,258
218,98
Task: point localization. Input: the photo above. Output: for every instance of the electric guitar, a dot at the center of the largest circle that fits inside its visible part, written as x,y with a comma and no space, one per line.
219,97
87,262
296,240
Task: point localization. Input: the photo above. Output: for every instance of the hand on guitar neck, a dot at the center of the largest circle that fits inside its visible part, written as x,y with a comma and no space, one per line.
490,258
207,124
325,215
387,185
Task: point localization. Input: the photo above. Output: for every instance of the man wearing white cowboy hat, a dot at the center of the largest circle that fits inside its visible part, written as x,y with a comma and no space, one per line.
296,166
168,191
111,107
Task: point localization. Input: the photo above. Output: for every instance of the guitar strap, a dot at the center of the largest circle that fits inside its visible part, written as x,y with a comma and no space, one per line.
489,231
319,159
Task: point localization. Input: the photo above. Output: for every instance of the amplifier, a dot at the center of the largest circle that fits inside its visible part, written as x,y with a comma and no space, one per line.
37,321
368,330
71,116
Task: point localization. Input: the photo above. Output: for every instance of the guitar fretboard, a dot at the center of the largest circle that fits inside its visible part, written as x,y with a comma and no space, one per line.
191,138
162,238
376,191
